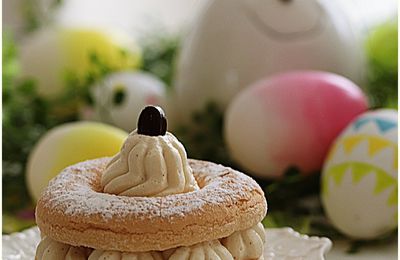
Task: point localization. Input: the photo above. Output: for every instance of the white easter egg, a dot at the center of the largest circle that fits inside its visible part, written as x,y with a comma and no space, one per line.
234,43
119,98
359,178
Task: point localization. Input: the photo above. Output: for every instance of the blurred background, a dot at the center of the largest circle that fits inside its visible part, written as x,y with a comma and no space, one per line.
77,73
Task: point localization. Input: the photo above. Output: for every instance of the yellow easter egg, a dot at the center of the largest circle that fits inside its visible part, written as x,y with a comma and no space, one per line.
359,178
49,54
111,49
68,144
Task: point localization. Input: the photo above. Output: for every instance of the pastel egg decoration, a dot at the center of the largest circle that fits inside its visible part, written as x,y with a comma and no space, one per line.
51,53
290,120
119,98
359,179
235,42
68,144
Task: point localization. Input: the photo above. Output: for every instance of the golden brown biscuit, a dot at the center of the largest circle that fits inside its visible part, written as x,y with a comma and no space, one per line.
73,210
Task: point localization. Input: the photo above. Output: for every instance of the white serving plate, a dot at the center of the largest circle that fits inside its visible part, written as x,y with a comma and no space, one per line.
282,244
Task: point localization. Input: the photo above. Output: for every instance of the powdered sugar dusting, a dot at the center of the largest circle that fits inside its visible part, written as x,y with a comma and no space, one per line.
77,192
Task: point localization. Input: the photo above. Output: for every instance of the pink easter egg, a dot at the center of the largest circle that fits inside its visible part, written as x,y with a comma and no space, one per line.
290,120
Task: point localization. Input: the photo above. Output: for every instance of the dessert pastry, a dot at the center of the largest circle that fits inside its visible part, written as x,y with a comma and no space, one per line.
150,202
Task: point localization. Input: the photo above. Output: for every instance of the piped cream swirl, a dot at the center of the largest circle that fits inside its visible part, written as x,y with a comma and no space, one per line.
149,166
246,244
210,250
115,255
51,249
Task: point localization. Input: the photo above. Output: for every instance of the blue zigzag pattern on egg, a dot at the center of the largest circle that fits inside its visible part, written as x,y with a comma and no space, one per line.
384,125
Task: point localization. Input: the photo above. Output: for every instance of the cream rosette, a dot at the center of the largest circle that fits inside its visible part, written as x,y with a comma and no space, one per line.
115,255
246,244
51,249
149,166
210,250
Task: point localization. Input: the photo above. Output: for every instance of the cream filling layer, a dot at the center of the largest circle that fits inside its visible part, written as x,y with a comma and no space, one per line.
242,245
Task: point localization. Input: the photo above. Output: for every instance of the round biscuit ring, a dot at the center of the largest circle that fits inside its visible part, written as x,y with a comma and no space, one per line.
74,210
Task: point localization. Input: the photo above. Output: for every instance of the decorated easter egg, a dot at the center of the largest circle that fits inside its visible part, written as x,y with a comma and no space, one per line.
51,53
359,180
234,43
68,144
119,98
290,120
